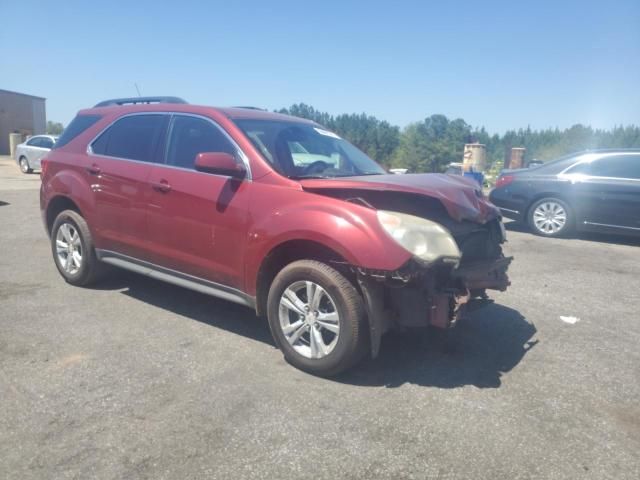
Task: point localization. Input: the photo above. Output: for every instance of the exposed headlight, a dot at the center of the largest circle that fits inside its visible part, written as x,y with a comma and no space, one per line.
425,239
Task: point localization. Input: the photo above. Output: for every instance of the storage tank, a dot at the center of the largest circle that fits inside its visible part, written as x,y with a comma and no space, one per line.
15,139
474,157
517,157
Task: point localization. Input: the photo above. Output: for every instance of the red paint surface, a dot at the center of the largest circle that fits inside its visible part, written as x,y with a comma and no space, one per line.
220,228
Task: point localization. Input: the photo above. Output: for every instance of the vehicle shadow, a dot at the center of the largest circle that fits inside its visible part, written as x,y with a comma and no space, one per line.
589,236
488,343
190,304
485,345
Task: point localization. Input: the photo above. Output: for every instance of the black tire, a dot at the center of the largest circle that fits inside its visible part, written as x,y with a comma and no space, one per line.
91,269
567,228
24,165
351,343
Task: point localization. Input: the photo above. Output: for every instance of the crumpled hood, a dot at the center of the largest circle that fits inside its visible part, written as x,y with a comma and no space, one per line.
461,197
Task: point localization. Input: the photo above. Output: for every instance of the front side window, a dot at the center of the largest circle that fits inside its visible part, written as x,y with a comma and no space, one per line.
134,138
300,150
192,135
623,166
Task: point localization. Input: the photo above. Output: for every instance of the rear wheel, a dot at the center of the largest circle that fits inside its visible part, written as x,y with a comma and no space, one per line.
317,318
24,165
73,250
550,217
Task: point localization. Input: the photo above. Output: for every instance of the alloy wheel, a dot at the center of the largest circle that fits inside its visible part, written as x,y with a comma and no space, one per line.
549,217
69,248
309,319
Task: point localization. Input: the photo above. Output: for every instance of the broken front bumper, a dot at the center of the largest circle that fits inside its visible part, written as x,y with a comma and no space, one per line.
421,296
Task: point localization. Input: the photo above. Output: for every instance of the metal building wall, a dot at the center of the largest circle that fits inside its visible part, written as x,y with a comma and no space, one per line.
20,113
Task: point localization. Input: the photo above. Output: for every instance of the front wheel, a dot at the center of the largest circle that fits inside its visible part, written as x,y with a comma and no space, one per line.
550,217
24,165
317,318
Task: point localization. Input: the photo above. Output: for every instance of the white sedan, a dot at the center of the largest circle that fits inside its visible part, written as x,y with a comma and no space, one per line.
29,153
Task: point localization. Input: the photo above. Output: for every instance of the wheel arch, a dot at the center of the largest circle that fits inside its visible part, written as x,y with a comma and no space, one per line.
56,205
285,253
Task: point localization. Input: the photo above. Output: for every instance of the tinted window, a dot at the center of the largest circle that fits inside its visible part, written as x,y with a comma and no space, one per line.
624,166
135,137
75,128
46,142
584,167
34,142
556,166
191,136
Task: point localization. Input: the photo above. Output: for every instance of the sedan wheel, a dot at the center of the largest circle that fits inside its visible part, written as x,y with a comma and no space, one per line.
550,217
24,165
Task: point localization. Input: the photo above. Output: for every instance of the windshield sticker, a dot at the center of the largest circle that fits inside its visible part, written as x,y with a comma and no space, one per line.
326,133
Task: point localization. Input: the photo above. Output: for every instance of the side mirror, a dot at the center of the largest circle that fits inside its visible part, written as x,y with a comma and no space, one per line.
220,163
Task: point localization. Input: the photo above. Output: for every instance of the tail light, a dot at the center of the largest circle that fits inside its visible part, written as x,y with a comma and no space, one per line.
504,180
43,166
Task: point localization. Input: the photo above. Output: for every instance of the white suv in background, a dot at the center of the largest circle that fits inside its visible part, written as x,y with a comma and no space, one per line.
29,153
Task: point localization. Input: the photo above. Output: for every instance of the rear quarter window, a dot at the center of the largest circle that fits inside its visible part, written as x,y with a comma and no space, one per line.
75,128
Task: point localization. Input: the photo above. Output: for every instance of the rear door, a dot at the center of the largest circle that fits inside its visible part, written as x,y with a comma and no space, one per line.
46,144
120,162
197,220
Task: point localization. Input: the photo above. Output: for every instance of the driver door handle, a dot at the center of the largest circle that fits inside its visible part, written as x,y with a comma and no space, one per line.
161,186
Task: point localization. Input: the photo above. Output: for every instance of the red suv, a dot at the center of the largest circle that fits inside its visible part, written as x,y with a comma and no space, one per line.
273,212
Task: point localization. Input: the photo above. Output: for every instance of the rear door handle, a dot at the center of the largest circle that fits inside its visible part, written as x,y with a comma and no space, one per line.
94,169
161,186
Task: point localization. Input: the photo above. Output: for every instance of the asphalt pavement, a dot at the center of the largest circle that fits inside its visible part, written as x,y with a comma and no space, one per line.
138,379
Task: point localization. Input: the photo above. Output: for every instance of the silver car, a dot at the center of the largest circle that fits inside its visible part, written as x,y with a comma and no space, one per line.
29,153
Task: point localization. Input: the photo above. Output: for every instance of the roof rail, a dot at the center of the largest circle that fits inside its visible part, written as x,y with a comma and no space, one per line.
137,100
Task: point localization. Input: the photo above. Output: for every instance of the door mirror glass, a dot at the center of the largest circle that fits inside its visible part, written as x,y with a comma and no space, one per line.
220,163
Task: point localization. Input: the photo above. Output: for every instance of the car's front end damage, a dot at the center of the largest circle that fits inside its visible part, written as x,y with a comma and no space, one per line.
435,294
457,256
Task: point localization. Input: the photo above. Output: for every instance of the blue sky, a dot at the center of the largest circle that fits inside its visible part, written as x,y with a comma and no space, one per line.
501,64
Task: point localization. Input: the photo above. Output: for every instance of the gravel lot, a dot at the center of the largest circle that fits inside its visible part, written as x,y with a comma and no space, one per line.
138,379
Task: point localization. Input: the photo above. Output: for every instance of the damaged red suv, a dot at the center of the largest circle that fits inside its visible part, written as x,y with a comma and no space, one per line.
272,212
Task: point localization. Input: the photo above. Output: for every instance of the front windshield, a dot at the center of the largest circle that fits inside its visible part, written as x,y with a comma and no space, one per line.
299,150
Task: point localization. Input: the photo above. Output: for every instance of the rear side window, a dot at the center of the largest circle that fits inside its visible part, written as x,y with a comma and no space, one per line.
34,142
75,128
46,142
134,138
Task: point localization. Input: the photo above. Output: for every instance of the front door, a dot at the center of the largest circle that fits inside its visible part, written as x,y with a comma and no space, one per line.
613,189
198,221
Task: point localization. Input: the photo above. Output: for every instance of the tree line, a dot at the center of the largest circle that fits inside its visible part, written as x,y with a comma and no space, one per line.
431,144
